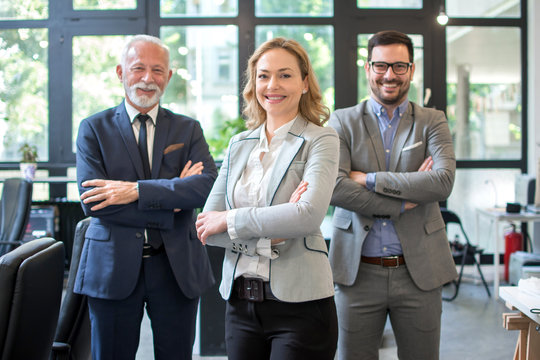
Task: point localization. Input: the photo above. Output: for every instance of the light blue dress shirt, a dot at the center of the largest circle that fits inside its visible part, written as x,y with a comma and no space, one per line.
382,239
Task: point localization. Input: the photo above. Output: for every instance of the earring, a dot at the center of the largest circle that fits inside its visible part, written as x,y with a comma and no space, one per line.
304,91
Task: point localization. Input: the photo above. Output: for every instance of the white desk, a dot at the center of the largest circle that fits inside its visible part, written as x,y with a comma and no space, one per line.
496,215
528,346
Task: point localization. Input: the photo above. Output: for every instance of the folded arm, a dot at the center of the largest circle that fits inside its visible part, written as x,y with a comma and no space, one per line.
285,220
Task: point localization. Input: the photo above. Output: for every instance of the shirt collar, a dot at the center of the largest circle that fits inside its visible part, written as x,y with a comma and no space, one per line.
132,112
279,134
378,108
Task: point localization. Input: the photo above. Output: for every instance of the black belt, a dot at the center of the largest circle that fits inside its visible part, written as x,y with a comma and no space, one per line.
252,289
149,251
386,261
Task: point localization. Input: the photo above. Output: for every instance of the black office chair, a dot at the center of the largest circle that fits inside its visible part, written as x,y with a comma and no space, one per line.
72,339
31,281
14,212
461,251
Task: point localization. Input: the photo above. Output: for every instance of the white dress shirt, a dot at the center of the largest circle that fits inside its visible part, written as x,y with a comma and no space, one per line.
250,191
150,127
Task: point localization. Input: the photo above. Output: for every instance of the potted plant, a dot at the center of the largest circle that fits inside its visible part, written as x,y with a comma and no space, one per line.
28,162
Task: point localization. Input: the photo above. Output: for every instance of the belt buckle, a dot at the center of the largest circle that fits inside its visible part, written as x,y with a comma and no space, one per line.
395,257
254,289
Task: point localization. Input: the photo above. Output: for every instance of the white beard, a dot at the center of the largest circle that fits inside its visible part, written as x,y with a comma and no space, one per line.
143,101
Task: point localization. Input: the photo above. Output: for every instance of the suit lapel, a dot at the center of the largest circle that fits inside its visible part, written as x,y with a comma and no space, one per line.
290,147
163,123
402,133
372,125
239,151
126,131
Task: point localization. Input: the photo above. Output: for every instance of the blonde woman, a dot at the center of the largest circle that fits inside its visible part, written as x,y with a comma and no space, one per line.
266,208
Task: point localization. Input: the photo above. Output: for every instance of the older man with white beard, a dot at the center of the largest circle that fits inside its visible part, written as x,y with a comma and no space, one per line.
138,165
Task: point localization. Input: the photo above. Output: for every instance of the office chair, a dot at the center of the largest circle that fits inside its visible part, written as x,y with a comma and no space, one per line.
461,251
31,279
72,339
14,212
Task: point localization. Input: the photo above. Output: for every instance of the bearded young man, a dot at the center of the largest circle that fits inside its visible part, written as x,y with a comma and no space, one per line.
141,171
389,251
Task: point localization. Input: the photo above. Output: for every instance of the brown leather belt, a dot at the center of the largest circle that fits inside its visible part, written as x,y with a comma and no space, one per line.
386,261
252,289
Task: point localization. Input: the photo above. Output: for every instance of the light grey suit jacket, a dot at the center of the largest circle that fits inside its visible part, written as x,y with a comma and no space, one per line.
302,270
422,132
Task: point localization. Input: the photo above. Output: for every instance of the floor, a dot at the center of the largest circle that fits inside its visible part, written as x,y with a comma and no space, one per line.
471,328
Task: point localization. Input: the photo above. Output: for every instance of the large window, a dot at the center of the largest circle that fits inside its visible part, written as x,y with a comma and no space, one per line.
484,91
58,59
95,84
24,105
318,42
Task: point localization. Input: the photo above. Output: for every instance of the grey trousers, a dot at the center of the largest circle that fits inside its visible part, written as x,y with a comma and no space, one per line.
381,292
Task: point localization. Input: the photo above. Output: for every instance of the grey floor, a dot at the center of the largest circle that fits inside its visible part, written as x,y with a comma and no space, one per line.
471,329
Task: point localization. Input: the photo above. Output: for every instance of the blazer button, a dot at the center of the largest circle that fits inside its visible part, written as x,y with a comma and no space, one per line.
138,235
366,228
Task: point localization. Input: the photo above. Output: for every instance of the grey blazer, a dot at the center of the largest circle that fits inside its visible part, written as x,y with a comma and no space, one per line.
422,132
302,271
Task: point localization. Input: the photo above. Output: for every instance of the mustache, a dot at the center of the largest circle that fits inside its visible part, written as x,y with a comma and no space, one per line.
143,86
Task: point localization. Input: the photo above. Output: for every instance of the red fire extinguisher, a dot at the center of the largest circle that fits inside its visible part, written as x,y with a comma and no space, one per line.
513,241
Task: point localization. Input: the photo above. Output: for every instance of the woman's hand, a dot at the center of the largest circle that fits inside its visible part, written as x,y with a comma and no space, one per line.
210,223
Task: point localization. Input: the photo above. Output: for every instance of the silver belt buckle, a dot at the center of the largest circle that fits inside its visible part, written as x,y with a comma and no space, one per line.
395,257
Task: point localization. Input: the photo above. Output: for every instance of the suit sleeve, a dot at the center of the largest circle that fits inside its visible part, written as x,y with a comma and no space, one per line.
151,211
292,220
217,202
425,186
176,193
286,220
350,195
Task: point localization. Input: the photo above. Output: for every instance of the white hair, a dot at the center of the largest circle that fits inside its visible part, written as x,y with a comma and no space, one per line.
142,38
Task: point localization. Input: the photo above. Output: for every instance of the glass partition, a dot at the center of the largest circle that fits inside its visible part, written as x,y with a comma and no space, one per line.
95,84
198,8
484,91
204,60
24,103
389,4
297,8
104,4
484,8
21,10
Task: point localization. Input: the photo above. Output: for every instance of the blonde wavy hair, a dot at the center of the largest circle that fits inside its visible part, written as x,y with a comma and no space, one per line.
311,107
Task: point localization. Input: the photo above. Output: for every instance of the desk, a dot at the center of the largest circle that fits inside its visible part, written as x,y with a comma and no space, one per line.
528,346
496,215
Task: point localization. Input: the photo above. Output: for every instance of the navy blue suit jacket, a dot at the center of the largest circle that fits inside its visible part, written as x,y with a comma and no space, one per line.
112,254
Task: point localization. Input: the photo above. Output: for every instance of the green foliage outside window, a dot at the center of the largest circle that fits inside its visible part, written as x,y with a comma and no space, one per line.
24,111
24,9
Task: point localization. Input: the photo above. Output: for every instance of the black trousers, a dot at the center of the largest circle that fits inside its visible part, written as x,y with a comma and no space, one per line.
281,331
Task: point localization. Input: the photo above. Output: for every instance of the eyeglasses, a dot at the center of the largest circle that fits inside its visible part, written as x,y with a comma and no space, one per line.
381,67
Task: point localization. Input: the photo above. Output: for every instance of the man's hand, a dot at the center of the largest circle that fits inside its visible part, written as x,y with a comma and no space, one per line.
189,170
359,177
427,164
109,192
210,223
